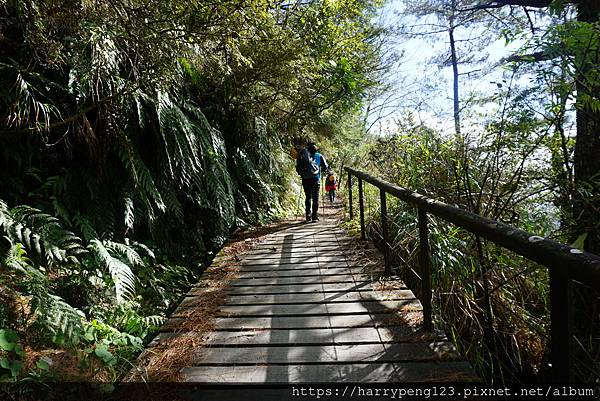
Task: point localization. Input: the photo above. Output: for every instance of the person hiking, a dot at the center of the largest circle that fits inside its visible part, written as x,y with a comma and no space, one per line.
308,165
330,185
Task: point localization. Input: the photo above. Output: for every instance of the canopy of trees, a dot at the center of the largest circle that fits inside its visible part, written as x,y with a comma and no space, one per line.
135,136
522,150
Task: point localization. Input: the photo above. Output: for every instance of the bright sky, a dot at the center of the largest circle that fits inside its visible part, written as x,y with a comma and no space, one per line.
422,86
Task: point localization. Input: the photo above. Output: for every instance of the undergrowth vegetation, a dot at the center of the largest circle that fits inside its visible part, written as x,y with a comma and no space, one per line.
493,304
135,138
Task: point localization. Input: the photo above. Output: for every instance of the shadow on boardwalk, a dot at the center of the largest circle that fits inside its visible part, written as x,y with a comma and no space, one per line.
301,307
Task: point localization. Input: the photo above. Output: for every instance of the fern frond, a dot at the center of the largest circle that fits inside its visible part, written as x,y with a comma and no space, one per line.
16,258
126,251
64,320
102,213
141,175
180,135
5,217
141,247
26,108
173,204
40,232
154,320
129,212
121,273
49,310
85,227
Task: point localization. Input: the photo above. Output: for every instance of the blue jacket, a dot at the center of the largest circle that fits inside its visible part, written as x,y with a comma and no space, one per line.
321,162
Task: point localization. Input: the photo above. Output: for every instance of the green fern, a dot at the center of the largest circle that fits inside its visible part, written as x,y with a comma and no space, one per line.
121,273
141,176
129,211
154,320
172,202
125,251
61,320
180,136
16,258
65,322
40,232
85,227
141,248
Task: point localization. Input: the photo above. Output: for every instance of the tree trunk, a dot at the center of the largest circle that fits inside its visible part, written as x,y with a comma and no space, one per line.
586,206
454,60
461,166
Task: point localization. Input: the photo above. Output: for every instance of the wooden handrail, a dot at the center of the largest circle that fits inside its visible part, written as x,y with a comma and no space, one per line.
564,263
576,264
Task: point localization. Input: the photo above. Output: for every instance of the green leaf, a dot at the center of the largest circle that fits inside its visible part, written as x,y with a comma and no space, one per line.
59,338
4,363
8,339
16,367
19,350
42,364
103,353
579,241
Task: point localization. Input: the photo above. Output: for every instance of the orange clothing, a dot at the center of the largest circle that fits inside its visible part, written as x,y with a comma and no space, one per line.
330,183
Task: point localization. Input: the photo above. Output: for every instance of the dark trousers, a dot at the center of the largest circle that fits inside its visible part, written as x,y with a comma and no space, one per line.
311,191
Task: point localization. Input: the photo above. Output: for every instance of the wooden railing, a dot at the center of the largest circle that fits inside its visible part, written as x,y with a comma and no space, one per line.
564,263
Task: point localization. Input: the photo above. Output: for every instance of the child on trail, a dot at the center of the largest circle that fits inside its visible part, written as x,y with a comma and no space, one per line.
330,185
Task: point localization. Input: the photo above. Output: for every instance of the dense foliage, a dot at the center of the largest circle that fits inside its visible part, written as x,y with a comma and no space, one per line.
135,136
523,152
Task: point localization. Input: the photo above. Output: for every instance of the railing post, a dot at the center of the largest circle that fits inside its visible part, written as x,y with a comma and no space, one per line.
561,325
384,233
361,207
350,195
425,269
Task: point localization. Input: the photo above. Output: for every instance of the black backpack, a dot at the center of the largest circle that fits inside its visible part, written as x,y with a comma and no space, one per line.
306,165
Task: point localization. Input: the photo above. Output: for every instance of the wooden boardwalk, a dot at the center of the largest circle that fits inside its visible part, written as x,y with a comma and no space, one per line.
301,309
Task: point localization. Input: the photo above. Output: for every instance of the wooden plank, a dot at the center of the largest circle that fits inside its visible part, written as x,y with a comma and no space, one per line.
280,255
298,281
297,322
262,374
303,240
305,322
294,273
283,267
307,242
292,260
251,281
339,278
402,352
275,262
288,289
296,337
293,266
289,355
317,309
410,372
317,297
301,288
344,250
282,242
328,336
270,337
388,321
322,230
246,266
